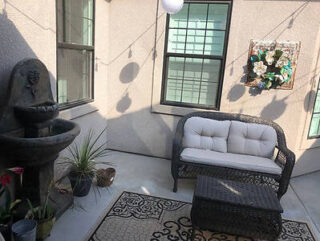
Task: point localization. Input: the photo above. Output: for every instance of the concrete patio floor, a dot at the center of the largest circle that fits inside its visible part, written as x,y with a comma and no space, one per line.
152,176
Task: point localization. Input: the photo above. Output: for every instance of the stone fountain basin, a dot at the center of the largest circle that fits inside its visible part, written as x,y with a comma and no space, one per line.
38,151
37,113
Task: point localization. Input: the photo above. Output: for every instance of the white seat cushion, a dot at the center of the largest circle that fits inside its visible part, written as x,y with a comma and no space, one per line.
251,139
206,134
237,161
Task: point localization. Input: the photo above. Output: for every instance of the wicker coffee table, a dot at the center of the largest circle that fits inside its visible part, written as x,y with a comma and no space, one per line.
236,208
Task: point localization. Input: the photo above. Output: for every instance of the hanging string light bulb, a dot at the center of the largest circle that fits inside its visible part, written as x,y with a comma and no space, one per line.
172,6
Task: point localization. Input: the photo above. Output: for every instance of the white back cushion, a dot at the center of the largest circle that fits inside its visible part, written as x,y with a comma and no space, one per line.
251,139
207,134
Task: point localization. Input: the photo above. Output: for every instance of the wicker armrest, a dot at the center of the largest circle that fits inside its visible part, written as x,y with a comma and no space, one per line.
286,160
177,143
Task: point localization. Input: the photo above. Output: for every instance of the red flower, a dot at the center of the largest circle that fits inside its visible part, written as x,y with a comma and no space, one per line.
5,180
17,170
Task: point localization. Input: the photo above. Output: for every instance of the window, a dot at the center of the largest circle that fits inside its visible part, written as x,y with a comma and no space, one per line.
75,52
195,51
314,131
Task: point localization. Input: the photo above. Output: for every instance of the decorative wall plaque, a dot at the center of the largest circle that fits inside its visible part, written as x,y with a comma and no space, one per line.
272,64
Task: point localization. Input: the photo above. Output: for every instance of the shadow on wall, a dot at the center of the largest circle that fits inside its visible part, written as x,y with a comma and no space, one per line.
124,103
13,49
129,72
142,132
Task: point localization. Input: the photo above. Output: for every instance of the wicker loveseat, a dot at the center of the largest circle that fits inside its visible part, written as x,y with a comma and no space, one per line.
232,146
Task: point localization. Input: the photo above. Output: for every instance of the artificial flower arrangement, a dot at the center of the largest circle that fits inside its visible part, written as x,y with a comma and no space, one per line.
272,67
272,64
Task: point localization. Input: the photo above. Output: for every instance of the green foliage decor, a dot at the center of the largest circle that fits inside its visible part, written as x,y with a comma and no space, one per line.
271,67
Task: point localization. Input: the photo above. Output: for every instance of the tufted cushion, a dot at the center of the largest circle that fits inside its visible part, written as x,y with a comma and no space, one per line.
251,139
206,134
236,161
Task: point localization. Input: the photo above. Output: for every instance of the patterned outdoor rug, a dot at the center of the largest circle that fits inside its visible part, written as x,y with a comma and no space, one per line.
137,217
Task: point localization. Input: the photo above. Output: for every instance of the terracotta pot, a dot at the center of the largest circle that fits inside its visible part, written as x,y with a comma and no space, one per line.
80,185
44,228
105,177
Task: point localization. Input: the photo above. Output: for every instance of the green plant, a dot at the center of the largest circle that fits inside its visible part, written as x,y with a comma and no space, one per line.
82,160
43,211
7,210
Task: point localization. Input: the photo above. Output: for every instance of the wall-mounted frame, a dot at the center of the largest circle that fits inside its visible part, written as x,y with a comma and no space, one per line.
272,64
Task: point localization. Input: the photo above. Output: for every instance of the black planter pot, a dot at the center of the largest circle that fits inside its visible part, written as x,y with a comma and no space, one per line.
5,230
80,185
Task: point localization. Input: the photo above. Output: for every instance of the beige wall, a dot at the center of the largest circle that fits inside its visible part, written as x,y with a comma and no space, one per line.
131,86
28,30
127,80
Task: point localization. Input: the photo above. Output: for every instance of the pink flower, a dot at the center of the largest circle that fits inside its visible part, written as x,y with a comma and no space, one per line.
5,180
17,170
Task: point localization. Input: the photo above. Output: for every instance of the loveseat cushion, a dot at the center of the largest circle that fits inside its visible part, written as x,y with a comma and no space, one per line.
206,134
251,139
230,160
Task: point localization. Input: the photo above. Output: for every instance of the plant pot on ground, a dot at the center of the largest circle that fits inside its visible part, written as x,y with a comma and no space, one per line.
105,177
44,216
82,162
81,185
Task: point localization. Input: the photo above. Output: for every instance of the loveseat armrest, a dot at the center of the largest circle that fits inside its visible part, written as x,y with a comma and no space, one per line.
178,142
286,160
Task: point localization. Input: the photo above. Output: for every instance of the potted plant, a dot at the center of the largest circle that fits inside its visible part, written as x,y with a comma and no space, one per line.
82,163
8,208
44,216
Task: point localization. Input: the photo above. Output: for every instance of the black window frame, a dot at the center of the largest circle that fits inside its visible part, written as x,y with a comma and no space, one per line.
65,45
222,58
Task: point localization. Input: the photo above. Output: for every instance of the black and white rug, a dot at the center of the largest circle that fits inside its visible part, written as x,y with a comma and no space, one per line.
138,217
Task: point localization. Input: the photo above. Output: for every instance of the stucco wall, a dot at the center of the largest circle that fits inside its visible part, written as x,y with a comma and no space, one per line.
28,30
127,78
131,124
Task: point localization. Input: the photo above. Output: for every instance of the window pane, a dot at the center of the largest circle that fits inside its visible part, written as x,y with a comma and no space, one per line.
214,43
175,68
193,68
317,104
177,38
174,88
217,18
211,70
195,42
179,20
60,20
198,16
193,80
208,93
315,125
74,75
78,22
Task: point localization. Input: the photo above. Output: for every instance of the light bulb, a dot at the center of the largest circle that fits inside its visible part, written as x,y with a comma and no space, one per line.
172,6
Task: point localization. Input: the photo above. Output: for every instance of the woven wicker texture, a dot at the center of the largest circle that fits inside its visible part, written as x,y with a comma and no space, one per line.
284,158
237,208
237,193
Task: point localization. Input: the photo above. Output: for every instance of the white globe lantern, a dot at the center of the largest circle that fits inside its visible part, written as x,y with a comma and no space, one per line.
172,6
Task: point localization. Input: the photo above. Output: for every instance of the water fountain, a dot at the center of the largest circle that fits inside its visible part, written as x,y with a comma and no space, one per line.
30,134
